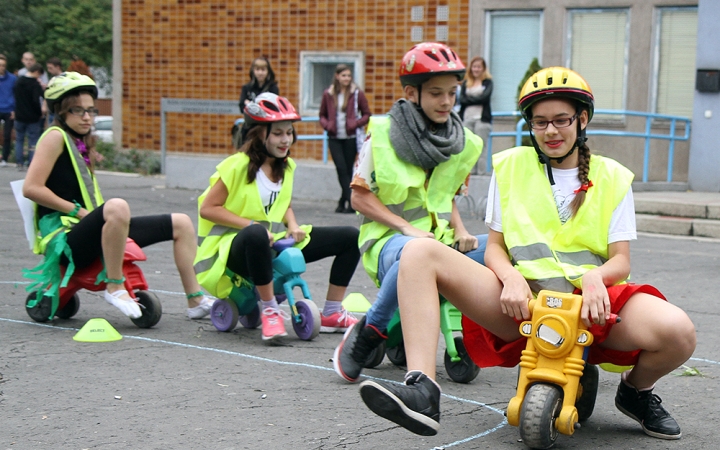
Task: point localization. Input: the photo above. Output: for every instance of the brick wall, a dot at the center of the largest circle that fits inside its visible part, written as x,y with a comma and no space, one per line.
202,49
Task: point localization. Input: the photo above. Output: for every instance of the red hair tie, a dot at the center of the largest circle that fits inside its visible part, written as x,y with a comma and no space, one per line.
584,187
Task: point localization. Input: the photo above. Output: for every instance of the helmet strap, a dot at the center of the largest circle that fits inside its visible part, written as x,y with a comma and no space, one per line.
543,158
67,128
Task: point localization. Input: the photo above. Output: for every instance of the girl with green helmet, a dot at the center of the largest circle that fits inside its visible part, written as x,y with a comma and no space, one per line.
560,219
76,226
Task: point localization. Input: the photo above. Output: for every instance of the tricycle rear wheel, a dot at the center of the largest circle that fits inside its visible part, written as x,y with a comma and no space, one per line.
151,309
463,371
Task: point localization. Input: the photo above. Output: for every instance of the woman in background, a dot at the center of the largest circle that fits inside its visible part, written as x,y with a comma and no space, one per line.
475,111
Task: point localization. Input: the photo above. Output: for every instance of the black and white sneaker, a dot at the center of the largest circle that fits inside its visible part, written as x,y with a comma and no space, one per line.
355,349
414,405
645,407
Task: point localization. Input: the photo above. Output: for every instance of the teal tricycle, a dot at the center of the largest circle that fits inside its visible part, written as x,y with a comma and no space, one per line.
243,302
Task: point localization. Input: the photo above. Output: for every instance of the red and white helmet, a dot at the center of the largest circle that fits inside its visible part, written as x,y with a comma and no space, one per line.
268,108
427,60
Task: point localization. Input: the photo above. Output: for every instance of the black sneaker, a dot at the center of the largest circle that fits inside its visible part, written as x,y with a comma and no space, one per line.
414,405
645,407
356,349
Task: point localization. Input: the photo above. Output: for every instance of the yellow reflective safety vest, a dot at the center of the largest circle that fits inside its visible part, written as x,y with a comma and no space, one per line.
244,200
89,189
406,191
551,255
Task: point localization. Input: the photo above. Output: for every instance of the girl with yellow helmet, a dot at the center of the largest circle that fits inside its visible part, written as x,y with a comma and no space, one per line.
560,219
61,180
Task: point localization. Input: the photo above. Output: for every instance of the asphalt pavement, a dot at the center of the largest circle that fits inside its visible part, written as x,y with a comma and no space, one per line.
182,384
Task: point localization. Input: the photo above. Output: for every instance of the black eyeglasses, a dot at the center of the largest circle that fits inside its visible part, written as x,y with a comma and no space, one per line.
80,111
541,124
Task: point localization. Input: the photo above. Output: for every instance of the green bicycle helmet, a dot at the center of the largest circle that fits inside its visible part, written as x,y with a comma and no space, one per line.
68,83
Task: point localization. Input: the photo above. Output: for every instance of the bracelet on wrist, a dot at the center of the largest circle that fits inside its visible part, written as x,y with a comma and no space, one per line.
75,210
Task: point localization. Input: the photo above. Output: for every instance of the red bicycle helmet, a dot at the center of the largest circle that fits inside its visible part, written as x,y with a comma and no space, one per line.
427,60
268,108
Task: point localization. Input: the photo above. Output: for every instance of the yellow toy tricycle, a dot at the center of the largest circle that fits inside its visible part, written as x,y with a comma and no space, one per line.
556,389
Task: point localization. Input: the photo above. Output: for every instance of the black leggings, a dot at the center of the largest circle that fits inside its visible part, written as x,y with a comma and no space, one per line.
85,238
343,153
251,256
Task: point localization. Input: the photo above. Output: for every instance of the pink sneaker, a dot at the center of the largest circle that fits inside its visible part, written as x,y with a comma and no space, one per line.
272,323
339,321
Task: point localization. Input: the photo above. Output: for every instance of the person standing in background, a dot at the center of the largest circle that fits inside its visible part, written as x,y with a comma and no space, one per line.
475,111
29,111
344,112
54,68
28,60
262,79
7,108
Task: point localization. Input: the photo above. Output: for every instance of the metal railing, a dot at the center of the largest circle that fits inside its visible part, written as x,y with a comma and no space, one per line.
518,133
671,136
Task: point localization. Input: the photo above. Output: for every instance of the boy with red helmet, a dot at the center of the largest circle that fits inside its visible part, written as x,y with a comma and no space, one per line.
247,207
408,173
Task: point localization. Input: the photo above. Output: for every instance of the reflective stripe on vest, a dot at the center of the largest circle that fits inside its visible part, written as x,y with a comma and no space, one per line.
551,255
403,188
244,200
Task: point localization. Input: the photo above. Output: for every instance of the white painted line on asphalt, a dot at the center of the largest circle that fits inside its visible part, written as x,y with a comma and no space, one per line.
288,363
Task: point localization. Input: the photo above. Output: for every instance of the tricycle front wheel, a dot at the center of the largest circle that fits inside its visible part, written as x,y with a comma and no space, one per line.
539,411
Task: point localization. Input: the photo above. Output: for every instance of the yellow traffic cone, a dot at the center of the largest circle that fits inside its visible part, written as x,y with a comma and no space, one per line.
356,303
97,330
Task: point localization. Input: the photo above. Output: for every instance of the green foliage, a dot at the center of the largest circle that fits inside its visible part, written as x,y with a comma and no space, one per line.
133,160
16,25
60,28
534,67
690,372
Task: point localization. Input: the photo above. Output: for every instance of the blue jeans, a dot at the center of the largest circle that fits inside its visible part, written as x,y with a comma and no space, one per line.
386,303
32,131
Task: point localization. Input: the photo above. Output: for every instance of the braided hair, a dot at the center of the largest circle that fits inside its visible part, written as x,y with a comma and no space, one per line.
583,172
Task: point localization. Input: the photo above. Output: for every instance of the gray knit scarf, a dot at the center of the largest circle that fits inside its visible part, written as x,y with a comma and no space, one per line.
415,144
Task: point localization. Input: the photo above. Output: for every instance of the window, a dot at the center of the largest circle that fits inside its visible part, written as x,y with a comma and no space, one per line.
443,13
441,33
674,61
598,49
317,70
416,34
514,40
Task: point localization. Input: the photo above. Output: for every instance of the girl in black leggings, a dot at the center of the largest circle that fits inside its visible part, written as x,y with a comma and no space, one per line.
61,181
244,210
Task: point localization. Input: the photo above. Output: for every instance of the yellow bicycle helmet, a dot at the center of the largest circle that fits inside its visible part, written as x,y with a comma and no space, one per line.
555,82
68,83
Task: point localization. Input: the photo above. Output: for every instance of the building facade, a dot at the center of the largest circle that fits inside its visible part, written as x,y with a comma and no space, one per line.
638,55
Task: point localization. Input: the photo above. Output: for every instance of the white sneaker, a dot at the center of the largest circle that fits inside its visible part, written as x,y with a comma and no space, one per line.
129,307
3,163
201,310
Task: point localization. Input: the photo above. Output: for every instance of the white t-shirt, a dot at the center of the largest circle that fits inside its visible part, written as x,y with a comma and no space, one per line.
268,189
622,223
340,118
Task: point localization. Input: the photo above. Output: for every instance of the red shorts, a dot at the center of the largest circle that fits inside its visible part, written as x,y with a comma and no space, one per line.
487,350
